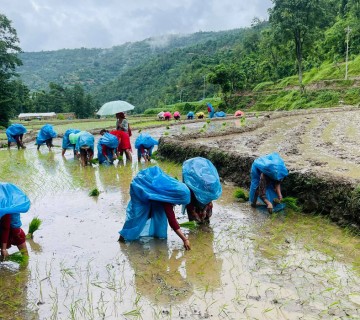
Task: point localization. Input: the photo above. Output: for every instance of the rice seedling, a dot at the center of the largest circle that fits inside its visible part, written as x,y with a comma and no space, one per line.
208,121
33,226
291,203
183,127
204,126
154,155
192,225
120,158
19,258
94,192
240,193
167,127
224,124
94,161
139,131
166,133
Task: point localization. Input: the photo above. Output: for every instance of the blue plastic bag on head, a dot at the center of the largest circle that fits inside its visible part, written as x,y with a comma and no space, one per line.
145,140
13,201
201,176
145,214
220,114
14,130
66,142
45,133
273,166
190,114
109,140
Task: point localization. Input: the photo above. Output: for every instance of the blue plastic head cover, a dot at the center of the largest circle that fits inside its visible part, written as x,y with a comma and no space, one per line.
201,176
12,199
14,130
66,142
220,114
146,140
45,133
273,166
145,215
190,114
109,140
86,139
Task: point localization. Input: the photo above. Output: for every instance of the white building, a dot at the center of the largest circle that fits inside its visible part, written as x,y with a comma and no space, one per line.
39,116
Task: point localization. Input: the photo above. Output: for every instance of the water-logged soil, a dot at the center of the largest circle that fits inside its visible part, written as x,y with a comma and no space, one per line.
246,265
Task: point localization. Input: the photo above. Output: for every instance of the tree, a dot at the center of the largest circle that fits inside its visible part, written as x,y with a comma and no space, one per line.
297,21
9,60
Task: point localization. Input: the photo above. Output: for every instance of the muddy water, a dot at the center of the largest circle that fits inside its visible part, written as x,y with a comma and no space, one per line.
245,265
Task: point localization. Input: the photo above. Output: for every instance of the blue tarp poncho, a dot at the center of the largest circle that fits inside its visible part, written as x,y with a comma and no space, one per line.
66,142
109,140
273,166
211,109
85,139
190,114
14,130
13,201
145,140
45,133
201,176
220,114
145,215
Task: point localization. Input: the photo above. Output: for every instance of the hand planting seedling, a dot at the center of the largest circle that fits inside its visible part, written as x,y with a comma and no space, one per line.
33,226
94,192
19,258
290,202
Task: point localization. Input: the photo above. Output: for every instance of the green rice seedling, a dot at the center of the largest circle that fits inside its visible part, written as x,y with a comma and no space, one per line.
192,225
204,126
19,258
183,127
208,121
139,130
94,192
167,127
224,123
120,158
33,226
240,193
291,203
166,133
94,161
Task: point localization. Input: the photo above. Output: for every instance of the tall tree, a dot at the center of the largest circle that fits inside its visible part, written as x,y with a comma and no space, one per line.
297,21
9,60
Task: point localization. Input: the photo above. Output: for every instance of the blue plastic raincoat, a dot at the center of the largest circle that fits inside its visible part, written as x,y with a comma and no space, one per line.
14,130
145,214
201,176
13,201
85,139
220,114
273,166
66,142
211,109
109,140
45,133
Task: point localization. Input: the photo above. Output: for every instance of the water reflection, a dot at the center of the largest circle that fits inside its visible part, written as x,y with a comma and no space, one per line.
164,274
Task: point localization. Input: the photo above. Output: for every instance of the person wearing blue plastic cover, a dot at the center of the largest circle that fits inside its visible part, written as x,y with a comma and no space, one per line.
202,178
144,144
190,115
13,201
267,172
107,147
210,109
15,133
85,147
67,143
153,195
46,135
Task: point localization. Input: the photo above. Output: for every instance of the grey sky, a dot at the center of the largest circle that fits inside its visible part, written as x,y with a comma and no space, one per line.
57,24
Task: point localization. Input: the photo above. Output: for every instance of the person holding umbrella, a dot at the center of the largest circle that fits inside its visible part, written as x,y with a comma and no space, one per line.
122,123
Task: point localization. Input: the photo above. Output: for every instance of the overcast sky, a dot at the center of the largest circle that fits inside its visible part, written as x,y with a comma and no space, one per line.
57,24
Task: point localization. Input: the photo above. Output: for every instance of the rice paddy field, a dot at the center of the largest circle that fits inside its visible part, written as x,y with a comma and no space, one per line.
245,265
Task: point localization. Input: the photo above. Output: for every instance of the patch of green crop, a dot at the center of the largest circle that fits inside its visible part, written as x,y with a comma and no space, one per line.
94,192
189,225
240,193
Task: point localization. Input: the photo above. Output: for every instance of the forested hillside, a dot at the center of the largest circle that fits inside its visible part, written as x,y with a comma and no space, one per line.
295,60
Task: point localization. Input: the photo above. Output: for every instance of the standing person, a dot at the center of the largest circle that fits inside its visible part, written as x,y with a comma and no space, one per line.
13,202
267,172
66,143
124,144
107,147
122,123
153,195
46,135
202,178
84,147
211,110
15,133
144,144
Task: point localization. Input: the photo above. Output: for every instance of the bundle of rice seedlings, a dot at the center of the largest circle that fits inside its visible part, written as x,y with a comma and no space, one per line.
94,192
33,226
154,155
189,225
167,127
291,203
240,193
94,161
120,158
19,258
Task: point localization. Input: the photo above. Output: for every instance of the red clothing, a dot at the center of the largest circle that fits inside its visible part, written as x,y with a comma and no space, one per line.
8,235
124,139
170,214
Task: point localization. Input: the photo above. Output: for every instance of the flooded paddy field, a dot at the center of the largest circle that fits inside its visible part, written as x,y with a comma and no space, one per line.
245,265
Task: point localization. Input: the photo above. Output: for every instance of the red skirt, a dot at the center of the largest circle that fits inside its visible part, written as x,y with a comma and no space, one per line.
124,140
